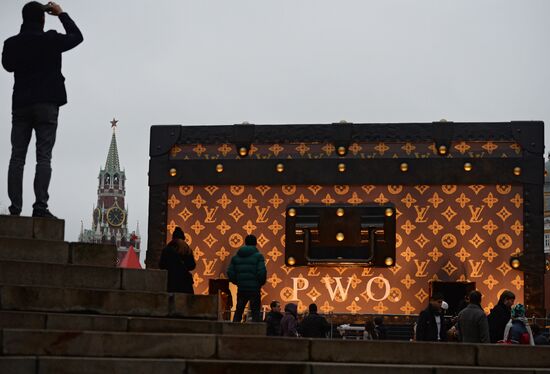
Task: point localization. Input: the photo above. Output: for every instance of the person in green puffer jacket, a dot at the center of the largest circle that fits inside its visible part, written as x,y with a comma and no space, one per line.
247,270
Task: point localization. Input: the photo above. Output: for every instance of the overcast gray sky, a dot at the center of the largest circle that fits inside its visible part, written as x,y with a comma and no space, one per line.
283,61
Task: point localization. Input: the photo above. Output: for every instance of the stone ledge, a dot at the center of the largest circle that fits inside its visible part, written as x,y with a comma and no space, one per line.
263,348
196,306
247,367
92,254
83,322
392,352
95,322
144,279
51,299
16,272
48,229
251,328
59,275
107,344
482,370
24,320
83,365
32,228
172,325
19,365
18,249
505,355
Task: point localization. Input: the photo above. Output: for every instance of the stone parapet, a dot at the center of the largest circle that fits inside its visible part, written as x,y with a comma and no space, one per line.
81,276
32,228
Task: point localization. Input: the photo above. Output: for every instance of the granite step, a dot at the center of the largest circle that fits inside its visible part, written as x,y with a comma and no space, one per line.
21,249
111,302
85,365
56,251
91,322
32,228
81,276
255,348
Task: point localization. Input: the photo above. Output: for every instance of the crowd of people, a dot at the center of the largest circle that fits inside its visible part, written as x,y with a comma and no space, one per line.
505,324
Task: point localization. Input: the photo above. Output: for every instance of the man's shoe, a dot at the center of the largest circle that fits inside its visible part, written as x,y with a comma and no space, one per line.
14,212
43,214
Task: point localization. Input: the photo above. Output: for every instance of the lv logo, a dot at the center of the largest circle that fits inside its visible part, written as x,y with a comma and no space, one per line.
476,268
476,213
262,213
421,213
209,266
421,268
210,214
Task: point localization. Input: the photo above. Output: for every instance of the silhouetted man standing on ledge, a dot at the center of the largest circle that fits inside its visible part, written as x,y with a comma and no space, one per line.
34,56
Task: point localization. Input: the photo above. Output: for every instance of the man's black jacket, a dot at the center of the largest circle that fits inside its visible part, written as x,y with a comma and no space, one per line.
314,326
273,320
34,56
498,318
426,328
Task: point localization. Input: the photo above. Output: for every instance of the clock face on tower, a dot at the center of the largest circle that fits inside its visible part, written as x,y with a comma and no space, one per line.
115,216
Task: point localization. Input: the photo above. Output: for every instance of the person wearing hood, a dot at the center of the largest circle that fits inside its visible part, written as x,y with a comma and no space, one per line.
500,315
247,270
517,330
178,260
289,323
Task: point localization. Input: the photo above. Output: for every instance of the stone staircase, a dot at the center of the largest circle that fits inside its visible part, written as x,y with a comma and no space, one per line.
65,308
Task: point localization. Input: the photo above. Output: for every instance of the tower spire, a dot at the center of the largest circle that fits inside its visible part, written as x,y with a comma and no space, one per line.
112,164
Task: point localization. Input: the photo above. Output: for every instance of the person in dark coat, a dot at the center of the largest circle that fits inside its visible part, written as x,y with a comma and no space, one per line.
380,328
472,325
247,270
314,325
370,332
273,319
431,324
34,56
178,260
500,315
538,338
289,323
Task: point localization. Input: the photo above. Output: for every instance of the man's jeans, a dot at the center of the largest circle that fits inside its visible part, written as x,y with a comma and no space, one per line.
244,297
42,118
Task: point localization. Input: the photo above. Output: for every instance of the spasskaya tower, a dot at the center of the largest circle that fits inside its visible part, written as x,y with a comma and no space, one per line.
110,214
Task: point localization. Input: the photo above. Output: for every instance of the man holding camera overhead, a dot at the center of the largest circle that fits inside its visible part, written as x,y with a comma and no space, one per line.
34,56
